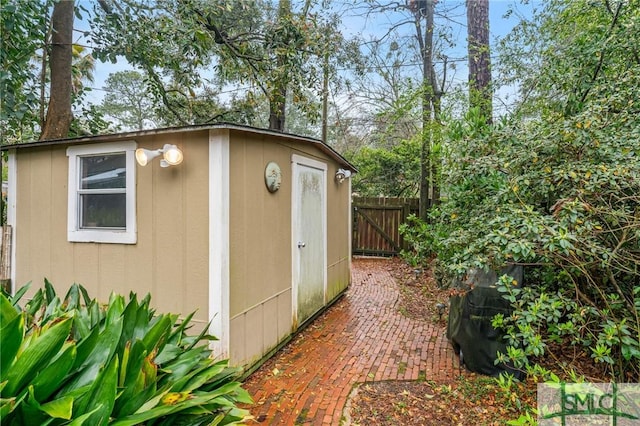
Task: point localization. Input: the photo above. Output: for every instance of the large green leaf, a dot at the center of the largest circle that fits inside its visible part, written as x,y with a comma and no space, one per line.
96,313
115,309
53,375
185,363
82,420
161,410
9,407
103,395
82,326
133,396
229,374
21,292
53,310
129,322
194,340
38,354
86,346
49,291
101,354
197,378
178,332
11,336
136,389
150,369
134,361
33,412
158,334
168,353
7,310
36,302
242,396
124,355
72,298
152,402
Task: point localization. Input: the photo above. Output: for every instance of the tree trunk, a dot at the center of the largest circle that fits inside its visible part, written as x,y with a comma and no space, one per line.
59,115
277,109
480,93
278,100
436,138
426,11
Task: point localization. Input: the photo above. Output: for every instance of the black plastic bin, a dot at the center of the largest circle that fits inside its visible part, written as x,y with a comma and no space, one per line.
469,327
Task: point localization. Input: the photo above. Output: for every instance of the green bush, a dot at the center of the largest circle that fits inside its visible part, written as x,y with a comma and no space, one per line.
556,186
542,316
420,240
74,361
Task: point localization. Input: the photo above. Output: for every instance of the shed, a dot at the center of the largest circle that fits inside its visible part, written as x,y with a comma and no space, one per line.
251,230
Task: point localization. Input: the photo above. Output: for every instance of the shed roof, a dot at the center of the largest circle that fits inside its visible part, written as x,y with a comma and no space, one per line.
168,130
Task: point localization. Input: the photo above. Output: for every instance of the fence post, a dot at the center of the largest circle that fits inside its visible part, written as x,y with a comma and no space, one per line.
5,258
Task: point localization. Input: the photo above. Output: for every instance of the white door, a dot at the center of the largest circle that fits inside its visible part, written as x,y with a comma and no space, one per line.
309,238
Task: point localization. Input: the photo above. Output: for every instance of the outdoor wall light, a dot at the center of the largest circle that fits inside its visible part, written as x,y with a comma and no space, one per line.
342,174
171,155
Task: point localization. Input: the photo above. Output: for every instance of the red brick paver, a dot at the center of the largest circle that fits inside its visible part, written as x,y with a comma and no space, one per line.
362,338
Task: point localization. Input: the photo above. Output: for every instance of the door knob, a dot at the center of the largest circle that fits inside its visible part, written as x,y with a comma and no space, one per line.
301,244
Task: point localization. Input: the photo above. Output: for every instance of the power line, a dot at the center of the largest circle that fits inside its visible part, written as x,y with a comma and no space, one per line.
222,92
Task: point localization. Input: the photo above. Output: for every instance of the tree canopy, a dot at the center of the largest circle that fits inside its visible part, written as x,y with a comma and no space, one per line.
127,101
24,29
186,47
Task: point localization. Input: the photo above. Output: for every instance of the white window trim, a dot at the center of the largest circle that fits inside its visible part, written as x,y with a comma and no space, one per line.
74,232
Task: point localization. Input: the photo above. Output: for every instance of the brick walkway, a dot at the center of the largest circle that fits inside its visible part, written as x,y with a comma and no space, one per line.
362,338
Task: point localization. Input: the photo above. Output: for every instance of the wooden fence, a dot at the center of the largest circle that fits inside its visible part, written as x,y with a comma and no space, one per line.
376,223
5,257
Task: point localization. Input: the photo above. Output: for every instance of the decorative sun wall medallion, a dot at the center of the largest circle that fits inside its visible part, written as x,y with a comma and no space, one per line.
272,176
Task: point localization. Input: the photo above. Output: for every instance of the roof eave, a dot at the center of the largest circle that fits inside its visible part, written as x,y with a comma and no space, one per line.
169,130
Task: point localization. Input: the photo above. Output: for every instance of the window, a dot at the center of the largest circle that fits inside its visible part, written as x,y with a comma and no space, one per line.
102,200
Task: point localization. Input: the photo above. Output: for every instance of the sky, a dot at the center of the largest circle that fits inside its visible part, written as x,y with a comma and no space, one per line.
503,16
356,22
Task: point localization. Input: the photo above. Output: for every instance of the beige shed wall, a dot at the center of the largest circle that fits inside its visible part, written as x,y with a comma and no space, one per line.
171,256
338,234
260,243
170,259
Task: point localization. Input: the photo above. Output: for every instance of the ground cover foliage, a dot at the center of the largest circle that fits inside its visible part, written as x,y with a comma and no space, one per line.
75,361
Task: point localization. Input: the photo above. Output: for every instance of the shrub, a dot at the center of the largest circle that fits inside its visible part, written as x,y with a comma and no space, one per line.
74,361
543,317
561,192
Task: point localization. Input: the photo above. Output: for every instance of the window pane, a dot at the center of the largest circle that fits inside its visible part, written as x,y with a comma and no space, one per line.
103,171
103,211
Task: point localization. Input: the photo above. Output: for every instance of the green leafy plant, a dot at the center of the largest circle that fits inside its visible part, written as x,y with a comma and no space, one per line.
541,318
526,419
74,361
414,232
